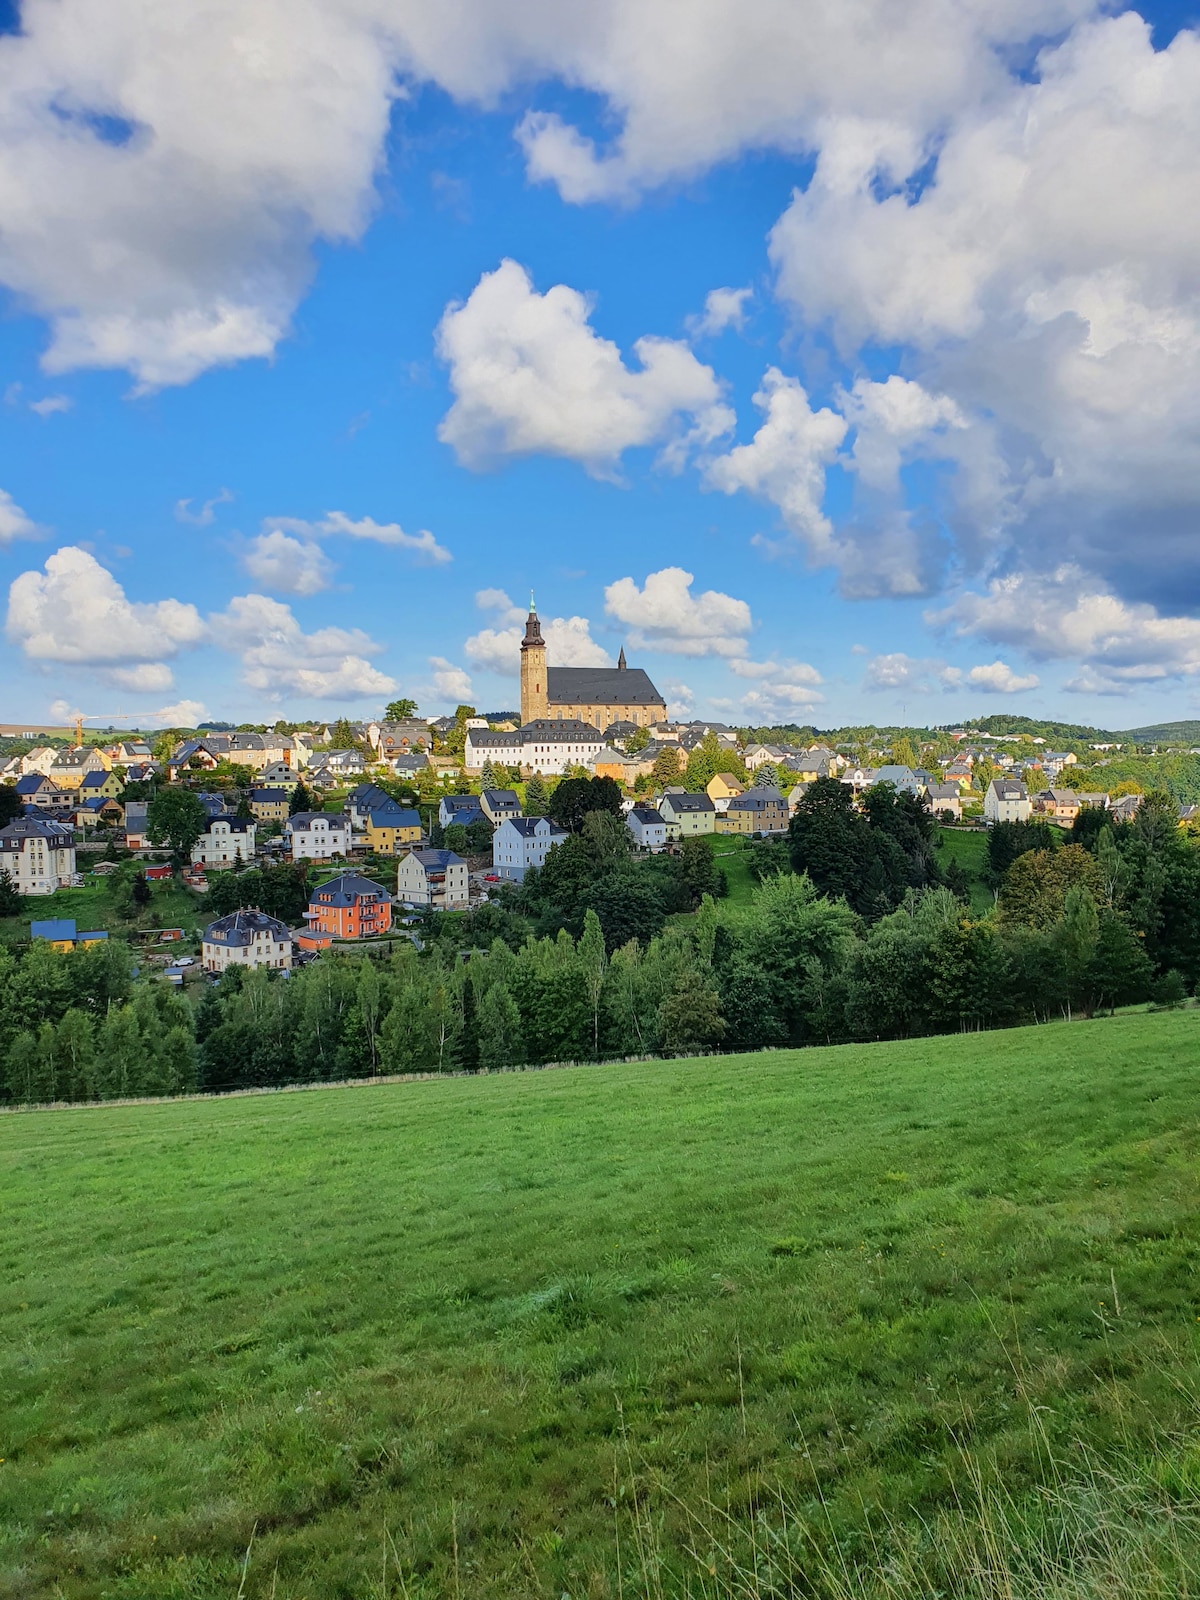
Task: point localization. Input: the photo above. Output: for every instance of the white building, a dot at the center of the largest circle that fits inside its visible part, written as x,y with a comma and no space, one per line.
246,939
648,828
944,797
225,842
523,842
317,835
687,816
436,878
38,856
549,745
1006,801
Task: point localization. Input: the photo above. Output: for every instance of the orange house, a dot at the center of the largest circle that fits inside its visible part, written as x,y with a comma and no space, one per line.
349,907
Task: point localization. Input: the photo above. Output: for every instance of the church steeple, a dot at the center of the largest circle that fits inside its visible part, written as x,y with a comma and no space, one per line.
535,698
533,629
621,660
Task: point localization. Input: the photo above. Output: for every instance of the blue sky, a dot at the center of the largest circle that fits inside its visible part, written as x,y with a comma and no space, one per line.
280,433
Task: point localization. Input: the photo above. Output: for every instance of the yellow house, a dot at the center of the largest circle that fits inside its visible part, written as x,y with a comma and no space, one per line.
100,785
392,831
723,788
269,805
71,767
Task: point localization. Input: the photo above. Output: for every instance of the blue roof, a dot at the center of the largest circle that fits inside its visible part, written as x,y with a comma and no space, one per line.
96,933
53,928
461,802
347,891
438,858
395,817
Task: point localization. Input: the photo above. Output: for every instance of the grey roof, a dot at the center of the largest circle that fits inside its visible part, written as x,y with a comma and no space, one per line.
689,802
613,686
1006,789
757,800
943,791
527,826
305,819
500,797
437,859
269,794
243,927
13,834
460,802
647,816
486,739
234,824
347,890
559,730
395,817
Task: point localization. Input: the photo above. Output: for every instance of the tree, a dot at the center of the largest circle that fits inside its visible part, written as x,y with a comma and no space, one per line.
1119,971
689,1017
11,900
766,776
705,761
537,796
958,883
400,710
501,1039
593,962
904,752
301,800
1008,840
10,803
140,891
176,817
637,741
492,776
668,767
574,798
1037,885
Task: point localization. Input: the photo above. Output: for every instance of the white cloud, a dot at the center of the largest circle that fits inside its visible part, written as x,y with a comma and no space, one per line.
681,700
924,674
723,308
280,660
52,404
890,419
1066,615
664,614
14,524
450,683
206,513
530,375
569,641
785,691
183,714
287,565
76,613
422,546
999,678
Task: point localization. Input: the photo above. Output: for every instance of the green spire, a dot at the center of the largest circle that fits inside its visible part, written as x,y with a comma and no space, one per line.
532,607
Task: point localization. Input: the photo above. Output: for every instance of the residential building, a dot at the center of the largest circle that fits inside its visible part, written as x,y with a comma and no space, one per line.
795,794
364,799
341,763
1006,800
460,809
38,855
648,828
596,696
396,738
722,788
393,828
127,751
610,763
1064,805
436,878
40,759
279,775
72,766
497,804
41,792
523,842
246,938
1124,809
758,755
270,805
350,907
408,765
756,811
547,745
192,755
106,785
99,808
945,799
62,934
903,779
687,816
135,824
317,835
225,842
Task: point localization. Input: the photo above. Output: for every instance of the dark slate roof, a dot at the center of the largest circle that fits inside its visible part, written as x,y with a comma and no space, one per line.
264,795
367,792
613,686
436,860
94,780
485,739
647,815
500,797
395,817
304,819
690,802
243,927
347,890
559,730
757,800
527,826
461,802
14,833
234,824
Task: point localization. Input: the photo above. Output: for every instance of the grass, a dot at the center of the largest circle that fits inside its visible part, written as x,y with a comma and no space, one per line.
93,906
729,853
969,849
467,1338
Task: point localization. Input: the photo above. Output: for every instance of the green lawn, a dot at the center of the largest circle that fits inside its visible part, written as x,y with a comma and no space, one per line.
437,1339
92,906
729,853
969,849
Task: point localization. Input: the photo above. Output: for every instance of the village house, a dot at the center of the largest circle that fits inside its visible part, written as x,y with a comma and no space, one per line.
687,816
278,775
945,799
436,878
135,824
459,809
225,842
61,933
395,738
758,755
1064,805
127,751
246,938
756,811
96,810
648,828
1125,809
364,799
523,842
102,785
349,907
408,765
497,804
317,835
795,795
40,759
722,788
270,805
393,828
72,766
548,746
41,792
615,764
38,855
1006,800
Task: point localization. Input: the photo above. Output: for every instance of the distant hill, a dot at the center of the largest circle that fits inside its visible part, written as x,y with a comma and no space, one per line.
1036,728
1164,733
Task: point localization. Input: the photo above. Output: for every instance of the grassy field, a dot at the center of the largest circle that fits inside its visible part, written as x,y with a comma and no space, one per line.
969,849
476,1337
92,906
729,852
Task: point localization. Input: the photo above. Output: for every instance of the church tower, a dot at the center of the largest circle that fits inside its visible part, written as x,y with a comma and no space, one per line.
535,698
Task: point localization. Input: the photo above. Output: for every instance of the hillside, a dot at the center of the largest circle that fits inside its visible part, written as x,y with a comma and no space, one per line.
440,1339
1163,733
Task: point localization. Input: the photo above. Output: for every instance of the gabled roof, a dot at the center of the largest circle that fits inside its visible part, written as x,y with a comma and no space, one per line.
647,816
461,802
267,796
500,797
234,824
757,800
305,819
436,860
14,834
613,686
527,826
560,730
395,817
688,802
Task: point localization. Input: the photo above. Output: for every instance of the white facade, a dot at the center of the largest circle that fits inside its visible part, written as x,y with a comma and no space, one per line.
246,939
523,842
38,856
226,841
436,878
648,829
317,835
550,746
1006,801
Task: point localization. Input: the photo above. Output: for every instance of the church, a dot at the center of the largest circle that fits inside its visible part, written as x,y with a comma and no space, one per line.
595,695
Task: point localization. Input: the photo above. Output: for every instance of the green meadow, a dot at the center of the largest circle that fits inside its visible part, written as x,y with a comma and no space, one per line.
614,1331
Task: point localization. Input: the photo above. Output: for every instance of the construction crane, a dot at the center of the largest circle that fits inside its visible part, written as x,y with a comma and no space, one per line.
115,717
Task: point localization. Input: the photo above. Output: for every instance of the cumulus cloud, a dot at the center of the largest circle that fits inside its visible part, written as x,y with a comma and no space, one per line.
51,405
530,375
182,714
569,641
723,308
450,683
681,699
784,691
280,660
288,565
74,612
1067,615
207,511
14,524
664,614
924,674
